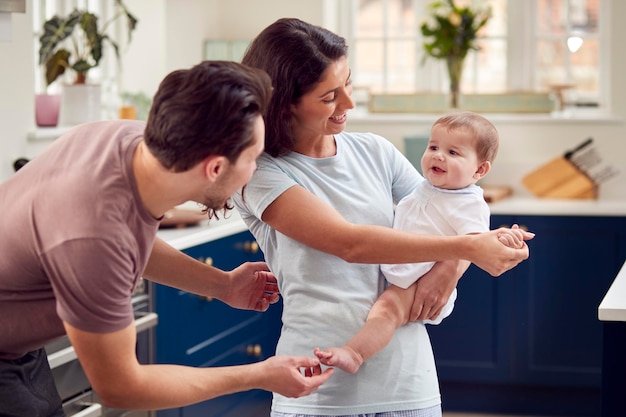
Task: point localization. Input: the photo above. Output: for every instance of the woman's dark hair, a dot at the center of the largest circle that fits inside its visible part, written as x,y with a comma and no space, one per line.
295,54
209,109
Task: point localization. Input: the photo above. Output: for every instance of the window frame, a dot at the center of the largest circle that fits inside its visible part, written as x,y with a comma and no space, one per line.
521,53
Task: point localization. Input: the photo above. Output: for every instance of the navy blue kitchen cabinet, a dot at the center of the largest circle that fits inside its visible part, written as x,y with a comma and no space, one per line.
203,332
530,341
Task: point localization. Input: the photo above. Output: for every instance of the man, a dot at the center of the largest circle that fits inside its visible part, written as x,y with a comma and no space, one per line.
79,229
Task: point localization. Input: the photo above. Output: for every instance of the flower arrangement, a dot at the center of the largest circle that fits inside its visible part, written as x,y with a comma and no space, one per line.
452,35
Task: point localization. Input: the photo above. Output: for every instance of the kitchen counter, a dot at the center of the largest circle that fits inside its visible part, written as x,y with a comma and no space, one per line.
205,231
558,207
612,313
613,306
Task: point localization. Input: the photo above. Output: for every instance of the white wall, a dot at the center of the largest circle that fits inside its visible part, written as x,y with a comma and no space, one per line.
170,36
16,90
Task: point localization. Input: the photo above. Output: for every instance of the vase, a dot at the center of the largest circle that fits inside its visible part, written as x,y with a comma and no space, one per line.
80,103
455,72
47,109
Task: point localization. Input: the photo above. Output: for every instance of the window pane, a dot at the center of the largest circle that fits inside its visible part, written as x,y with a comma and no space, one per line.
401,61
551,64
401,18
369,21
552,17
488,74
584,16
585,67
368,58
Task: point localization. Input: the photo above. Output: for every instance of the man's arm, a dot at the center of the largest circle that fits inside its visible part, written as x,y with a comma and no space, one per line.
111,365
250,286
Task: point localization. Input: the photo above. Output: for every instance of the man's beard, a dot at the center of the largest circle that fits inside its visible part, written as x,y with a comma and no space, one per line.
212,206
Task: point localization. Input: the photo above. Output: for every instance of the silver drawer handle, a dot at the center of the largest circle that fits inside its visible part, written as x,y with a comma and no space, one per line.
146,321
68,354
94,410
61,357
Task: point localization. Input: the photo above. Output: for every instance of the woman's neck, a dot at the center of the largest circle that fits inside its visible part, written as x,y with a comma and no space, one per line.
318,147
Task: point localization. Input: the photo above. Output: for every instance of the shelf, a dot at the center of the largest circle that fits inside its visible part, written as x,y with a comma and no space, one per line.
44,134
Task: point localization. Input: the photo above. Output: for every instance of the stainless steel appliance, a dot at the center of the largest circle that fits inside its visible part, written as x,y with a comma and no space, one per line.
79,400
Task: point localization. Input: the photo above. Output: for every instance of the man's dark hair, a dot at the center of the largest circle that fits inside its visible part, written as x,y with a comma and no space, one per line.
209,109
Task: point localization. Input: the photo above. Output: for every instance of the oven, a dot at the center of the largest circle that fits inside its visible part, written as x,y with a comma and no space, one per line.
79,400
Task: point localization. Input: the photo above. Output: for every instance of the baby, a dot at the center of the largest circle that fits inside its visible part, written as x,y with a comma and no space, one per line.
460,151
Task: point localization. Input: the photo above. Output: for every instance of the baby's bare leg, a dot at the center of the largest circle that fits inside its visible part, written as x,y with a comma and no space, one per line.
389,312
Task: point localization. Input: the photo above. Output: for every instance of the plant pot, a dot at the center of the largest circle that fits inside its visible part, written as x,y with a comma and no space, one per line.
47,109
80,103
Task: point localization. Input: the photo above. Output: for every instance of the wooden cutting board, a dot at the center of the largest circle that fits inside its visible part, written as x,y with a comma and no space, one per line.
177,218
493,193
559,178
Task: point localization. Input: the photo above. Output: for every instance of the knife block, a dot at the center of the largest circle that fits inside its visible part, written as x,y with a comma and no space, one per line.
560,178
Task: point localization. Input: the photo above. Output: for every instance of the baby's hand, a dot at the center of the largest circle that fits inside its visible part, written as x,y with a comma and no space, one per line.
513,237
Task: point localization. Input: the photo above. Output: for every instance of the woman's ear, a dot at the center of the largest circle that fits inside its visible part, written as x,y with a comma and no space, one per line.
482,170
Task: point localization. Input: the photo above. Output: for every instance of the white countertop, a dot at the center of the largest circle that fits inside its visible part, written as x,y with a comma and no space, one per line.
206,231
558,207
613,306
211,230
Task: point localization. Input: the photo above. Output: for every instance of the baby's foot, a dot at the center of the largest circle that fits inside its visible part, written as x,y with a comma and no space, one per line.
344,358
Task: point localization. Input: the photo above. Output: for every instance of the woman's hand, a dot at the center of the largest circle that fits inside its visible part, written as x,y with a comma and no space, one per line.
251,287
434,288
499,250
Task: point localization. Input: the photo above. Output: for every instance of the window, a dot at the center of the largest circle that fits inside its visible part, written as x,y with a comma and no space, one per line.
105,73
530,45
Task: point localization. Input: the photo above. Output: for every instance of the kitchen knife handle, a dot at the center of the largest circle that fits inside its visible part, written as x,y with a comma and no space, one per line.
569,154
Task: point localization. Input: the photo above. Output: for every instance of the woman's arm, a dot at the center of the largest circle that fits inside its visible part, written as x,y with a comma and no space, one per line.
302,216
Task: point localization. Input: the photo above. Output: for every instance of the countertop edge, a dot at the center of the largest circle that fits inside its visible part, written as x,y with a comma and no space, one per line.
206,231
558,207
613,305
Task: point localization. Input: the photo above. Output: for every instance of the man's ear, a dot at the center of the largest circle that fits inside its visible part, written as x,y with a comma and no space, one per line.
482,170
214,165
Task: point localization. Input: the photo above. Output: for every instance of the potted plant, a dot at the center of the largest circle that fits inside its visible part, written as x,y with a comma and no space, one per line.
452,34
75,43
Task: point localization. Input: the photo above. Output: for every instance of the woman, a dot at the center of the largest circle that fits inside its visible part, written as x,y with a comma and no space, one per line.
321,206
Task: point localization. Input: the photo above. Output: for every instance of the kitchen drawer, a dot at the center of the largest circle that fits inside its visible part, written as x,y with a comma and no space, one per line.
198,332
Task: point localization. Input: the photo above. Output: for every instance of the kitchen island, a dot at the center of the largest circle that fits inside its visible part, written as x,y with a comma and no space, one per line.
612,313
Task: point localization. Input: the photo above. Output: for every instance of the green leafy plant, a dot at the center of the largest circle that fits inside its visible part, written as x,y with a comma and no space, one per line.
76,42
451,34
455,29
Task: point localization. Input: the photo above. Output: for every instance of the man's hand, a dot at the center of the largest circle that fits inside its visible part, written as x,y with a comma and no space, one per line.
292,376
251,287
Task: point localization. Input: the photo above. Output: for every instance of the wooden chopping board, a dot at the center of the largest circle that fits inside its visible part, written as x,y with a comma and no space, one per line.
493,193
177,218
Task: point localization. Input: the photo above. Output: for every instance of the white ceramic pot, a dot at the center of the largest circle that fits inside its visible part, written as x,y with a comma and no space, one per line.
80,103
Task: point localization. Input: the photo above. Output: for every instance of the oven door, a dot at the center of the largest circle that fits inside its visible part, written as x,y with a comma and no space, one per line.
79,400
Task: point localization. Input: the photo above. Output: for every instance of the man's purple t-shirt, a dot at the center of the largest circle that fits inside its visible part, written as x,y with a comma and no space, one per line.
75,238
